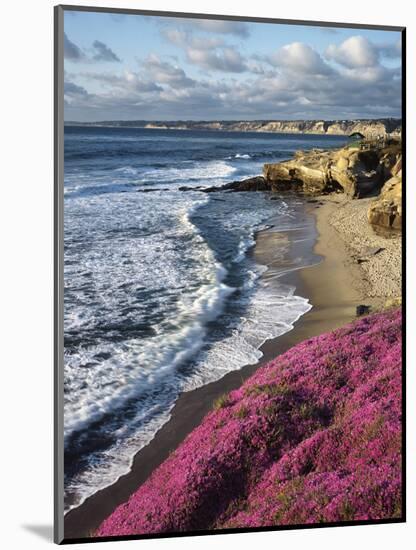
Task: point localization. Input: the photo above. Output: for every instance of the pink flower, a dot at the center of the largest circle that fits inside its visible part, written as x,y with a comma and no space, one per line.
313,436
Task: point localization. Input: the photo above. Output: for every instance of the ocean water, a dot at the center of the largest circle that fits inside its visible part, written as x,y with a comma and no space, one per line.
161,293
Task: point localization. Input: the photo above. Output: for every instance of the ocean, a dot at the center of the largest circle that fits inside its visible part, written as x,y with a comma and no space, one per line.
161,292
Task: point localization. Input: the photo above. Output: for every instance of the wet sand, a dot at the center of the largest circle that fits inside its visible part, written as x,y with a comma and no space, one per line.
333,288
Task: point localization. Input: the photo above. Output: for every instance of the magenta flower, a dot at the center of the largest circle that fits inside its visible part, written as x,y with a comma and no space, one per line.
313,436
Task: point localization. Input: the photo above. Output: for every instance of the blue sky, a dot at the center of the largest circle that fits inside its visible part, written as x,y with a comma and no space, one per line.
128,67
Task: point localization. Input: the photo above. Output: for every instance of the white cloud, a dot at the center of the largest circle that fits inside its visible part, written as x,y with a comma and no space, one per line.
227,59
210,53
131,81
300,57
294,82
354,52
164,72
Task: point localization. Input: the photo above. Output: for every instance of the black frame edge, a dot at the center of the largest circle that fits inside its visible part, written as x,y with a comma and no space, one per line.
58,79
248,18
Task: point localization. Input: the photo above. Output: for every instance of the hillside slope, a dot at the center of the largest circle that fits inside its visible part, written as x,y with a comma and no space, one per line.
313,436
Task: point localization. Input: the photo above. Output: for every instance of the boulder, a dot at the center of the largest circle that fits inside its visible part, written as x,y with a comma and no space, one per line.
386,210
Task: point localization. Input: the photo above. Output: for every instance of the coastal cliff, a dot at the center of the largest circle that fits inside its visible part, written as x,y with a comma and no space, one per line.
367,127
386,210
313,436
357,172
354,171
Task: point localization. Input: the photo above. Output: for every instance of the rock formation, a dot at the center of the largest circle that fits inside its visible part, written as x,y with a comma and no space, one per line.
386,210
369,128
356,172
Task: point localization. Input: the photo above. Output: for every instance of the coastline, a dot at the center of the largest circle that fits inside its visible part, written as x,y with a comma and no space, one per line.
334,287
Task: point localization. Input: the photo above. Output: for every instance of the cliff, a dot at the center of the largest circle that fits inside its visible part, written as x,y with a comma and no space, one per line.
355,171
312,437
369,127
386,210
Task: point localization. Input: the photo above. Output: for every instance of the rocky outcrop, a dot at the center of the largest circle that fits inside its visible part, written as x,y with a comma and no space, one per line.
308,172
257,183
354,171
386,211
369,128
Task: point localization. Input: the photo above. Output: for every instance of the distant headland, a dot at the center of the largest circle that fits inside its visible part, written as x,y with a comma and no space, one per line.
367,127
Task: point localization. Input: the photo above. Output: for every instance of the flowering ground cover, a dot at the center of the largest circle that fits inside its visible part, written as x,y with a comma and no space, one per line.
312,437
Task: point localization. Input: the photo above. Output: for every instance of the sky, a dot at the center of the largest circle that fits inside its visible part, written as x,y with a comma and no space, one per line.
137,67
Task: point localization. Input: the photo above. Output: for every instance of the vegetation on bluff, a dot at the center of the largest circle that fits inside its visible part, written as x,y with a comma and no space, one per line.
313,436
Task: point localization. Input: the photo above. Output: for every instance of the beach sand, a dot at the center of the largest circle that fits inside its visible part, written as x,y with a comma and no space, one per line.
335,286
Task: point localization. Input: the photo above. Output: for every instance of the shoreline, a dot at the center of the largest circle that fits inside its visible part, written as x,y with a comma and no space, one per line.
326,284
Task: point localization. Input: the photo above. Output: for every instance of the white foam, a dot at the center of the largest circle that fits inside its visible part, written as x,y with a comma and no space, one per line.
156,246
198,173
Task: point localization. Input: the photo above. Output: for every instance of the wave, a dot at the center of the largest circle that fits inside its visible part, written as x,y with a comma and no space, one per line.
148,282
135,378
91,190
258,155
193,313
128,178
200,172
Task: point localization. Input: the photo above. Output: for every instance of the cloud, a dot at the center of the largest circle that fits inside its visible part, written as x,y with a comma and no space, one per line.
71,50
210,53
226,59
104,53
100,52
129,80
300,57
236,28
186,39
392,51
329,30
71,89
355,52
164,72
294,82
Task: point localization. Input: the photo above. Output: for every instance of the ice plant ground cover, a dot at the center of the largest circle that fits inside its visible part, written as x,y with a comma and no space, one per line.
312,437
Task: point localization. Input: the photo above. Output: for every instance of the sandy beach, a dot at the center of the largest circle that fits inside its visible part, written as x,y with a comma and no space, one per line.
335,286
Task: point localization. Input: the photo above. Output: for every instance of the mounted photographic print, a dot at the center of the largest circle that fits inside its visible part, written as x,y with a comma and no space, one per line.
229,221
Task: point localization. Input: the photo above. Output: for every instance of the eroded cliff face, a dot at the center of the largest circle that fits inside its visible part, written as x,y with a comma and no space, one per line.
386,210
369,128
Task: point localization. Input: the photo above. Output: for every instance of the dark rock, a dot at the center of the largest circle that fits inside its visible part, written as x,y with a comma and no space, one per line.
187,188
151,190
257,183
362,310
